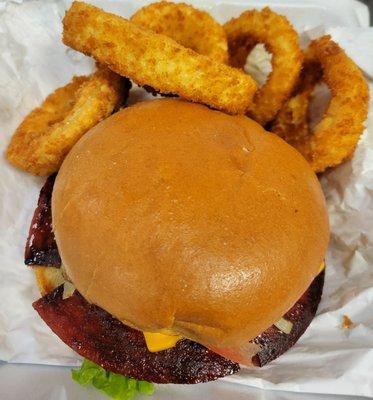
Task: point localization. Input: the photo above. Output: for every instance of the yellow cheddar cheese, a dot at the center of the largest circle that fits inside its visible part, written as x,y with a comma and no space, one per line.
322,267
160,341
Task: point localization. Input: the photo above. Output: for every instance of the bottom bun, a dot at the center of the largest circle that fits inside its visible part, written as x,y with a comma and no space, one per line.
74,320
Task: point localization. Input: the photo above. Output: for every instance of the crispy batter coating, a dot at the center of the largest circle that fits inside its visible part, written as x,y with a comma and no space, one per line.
335,137
282,41
46,135
188,26
292,121
156,60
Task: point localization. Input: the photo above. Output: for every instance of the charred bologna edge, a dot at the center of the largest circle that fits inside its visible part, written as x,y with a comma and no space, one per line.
41,247
96,335
273,342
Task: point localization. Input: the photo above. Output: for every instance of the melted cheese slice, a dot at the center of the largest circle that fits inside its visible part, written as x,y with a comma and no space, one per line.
322,267
160,341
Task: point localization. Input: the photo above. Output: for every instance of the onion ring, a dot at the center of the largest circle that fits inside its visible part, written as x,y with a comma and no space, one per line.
156,60
292,121
335,137
188,26
282,41
46,135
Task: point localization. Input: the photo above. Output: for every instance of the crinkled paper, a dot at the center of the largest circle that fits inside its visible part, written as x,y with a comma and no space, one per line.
327,359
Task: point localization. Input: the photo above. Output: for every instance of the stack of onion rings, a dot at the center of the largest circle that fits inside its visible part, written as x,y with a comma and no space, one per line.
155,60
176,49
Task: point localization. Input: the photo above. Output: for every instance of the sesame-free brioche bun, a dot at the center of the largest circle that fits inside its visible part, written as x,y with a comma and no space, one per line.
180,219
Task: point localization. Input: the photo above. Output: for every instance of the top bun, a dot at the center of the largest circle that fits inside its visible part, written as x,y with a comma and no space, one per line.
174,217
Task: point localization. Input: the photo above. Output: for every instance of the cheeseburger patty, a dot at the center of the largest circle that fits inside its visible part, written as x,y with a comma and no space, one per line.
83,326
174,220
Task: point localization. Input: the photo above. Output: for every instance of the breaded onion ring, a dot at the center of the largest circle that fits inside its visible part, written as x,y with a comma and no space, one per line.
282,41
188,26
156,60
292,121
335,137
46,135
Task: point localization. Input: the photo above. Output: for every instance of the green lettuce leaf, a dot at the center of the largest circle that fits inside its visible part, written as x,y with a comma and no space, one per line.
117,387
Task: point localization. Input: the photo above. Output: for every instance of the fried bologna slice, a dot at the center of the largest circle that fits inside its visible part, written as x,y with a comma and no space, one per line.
96,335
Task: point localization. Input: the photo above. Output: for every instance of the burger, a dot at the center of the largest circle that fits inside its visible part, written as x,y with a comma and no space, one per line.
177,243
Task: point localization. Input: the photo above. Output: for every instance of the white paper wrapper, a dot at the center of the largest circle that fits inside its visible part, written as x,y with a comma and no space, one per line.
327,359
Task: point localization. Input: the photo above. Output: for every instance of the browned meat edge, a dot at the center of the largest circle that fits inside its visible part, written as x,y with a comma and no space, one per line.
96,335
41,247
273,342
